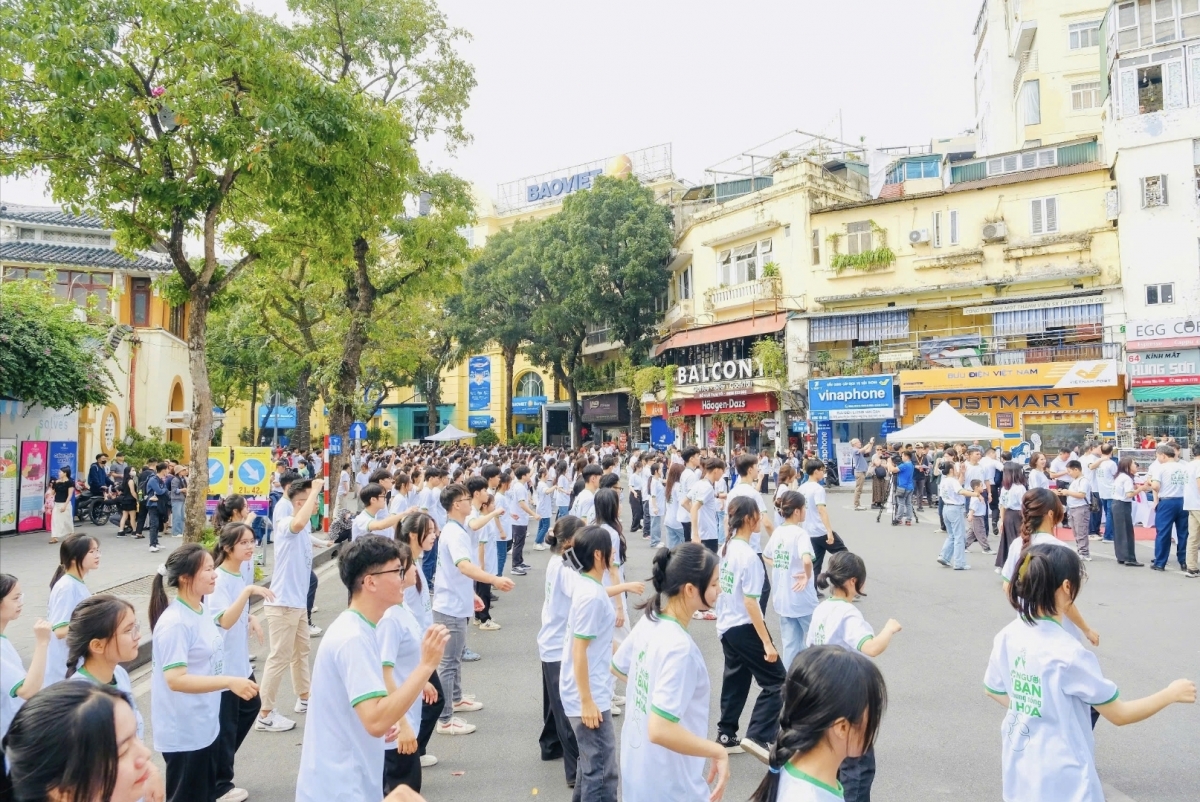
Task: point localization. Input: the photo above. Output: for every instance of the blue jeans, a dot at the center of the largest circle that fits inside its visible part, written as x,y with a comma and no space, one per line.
1106,510
954,549
176,516
674,536
655,530
794,632
501,556
562,511
543,529
1170,513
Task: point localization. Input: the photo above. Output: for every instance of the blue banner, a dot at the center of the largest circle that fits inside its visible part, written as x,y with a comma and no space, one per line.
479,392
528,404
661,434
64,454
851,398
479,421
825,441
281,417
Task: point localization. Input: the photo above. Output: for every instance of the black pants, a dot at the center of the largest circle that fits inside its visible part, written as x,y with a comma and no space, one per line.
143,509
766,591
430,714
192,776
635,510
686,526
744,660
856,775
312,594
400,770
919,491
484,591
712,545
821,546
156,519
237,717
1122,528
518,544
994,508
557,738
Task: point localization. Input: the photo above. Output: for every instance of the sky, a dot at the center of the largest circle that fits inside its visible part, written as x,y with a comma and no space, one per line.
563,82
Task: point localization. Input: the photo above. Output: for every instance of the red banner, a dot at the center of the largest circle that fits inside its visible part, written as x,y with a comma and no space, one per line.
754,402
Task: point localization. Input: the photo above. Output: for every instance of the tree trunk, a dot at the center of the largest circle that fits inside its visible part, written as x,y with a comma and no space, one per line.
253,411
576,413
202,416
510,361
360,302
302,434
433,397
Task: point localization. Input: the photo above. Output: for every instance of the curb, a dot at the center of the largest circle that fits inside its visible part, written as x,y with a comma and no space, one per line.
145,647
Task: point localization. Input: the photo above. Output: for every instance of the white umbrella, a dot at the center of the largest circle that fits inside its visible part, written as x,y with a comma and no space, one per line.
450,433
945,425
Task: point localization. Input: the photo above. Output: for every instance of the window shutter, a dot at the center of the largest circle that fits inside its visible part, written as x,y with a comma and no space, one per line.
1174,91
937,229
1051,215
1036,226
1129,101
953,227
1162,183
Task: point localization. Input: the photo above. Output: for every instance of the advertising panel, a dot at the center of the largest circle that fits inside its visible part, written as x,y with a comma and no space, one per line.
755,402
851,398
1057,375
8,484
32,504
218,471
528,404
1179,366
479,390
1175,332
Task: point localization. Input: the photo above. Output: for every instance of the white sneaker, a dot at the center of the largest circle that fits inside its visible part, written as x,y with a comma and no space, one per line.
235,795
154,549
273,722
618,700
468,706
316,609
301,706
489,626
427,761
314,631
540,547
454,726
614,710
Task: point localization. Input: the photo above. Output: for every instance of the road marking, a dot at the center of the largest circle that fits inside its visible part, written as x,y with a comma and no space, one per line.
1113,795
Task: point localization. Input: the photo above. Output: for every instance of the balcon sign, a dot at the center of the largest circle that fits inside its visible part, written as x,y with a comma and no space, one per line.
729,370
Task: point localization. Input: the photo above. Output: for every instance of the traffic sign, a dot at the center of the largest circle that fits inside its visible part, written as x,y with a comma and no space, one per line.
218,473
769,423
335,444
251,473
358,431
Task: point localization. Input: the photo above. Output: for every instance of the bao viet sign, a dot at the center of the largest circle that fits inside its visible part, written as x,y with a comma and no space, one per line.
560,186
1175,332
1056,375
1164,368
851,398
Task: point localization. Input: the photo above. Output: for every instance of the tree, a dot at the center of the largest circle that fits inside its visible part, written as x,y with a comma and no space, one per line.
179,119
48,355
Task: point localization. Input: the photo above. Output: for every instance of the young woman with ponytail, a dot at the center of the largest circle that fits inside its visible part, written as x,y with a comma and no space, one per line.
790,556
1041,512
664,741
833,702
1123,490
104,634
1048,681
189,670
77,555
16,684
1012,494
837,622
745,641
419,530
608,516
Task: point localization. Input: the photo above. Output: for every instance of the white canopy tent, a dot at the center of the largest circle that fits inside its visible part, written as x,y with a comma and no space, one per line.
945,425
450,433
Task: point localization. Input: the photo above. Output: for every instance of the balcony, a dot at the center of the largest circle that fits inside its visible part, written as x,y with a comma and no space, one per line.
598,341
1028,63
679,315
748,293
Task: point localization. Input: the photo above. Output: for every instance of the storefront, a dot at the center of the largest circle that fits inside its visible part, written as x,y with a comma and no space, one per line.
728,421
605,418
848,408
1163,359
1050,405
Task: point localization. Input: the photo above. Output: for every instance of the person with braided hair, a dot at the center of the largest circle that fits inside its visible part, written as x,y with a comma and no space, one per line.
833,703
664,740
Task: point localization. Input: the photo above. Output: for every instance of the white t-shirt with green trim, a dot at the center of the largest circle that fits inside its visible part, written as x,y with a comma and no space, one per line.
666,677
340,761
838,622
814,496
1051,681
12,677
454,593
592,618
237,638
749,490
741,576
556,607
184,636
399,635
796,786
122,683
786,548
65,596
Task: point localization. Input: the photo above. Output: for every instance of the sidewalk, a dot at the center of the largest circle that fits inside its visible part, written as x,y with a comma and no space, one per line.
127,568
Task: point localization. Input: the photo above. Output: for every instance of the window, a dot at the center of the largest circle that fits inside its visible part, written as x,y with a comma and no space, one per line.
1044,216
1164,21
935,231
953,226
1085,34
27,234
744,263
1031,103
816,237
1149,89
1127,26
139,304
685,284
1196,161
1189,22
175,321
77,238
530,384
1154,191
1157,294
1085,96
858,237
1018,162
79,287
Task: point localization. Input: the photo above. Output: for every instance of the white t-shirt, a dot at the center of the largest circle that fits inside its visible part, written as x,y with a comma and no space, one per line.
293,564
1172,476
283,509
1013,498
562,491
185,722
673,517
1106,472
1079,485
666,677
786,549
949,491
749,489
658,491
340,761
399,635
121,682
1058,465
978,506
1191,493
741,576
359,526
1038,479
12,677
343,483
839,623
65,596
1122,484
237,638
688,478
1015,553
593,619
454,593
796,786
1051,681
504,524
544,499
584,507
419,603
814,497
1090,462
516,494
704,494
556,606
362,478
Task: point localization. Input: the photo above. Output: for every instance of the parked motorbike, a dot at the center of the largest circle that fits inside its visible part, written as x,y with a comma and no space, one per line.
98,509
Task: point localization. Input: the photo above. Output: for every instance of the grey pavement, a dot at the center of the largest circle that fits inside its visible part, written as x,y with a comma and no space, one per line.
940,737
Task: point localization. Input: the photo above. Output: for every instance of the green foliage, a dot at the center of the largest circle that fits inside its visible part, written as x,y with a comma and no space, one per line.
528,439
49,355
140,447
770,270
596,378
374,435
866,261
772,356
486,438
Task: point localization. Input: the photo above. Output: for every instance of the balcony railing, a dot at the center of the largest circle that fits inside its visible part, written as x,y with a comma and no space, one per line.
748,292
680,313
1028,63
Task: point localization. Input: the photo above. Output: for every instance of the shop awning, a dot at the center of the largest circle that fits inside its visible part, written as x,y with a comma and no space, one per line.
766,324
1161,395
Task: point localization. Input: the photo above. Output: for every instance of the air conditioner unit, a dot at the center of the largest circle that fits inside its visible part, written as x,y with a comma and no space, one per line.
918,236
995,231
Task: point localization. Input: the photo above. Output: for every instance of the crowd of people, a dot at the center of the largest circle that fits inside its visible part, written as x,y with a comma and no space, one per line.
430,535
